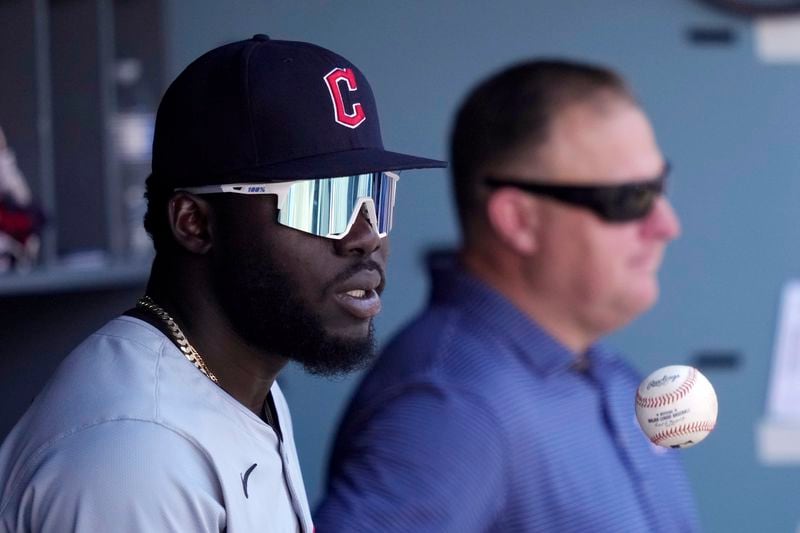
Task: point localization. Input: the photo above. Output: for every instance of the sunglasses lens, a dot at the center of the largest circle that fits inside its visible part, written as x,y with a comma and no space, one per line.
327,207
631,202
638,203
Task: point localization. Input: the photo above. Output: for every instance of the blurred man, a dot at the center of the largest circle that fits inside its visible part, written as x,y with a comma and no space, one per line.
496,409
269,203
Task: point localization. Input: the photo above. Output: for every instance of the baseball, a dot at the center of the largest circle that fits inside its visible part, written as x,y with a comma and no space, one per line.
676,406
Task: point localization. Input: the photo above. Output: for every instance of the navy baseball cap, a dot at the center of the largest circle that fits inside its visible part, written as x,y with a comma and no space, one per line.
269,110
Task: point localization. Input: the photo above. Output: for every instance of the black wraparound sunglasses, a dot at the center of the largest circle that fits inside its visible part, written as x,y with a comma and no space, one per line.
614,203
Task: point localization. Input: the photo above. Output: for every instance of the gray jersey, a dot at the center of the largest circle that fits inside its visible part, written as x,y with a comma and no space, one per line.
130,436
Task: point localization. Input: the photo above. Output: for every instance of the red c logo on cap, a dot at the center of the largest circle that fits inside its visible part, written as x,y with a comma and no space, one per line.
332,79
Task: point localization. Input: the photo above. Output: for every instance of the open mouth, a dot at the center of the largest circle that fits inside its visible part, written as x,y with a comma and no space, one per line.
361,303
359,293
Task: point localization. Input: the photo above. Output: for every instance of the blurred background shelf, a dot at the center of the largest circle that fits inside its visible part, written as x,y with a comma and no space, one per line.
88,75
64,279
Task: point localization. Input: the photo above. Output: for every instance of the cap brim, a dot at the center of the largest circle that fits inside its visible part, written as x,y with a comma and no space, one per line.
348,163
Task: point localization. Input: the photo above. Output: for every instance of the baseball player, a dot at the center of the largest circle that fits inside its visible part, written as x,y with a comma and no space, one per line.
269,204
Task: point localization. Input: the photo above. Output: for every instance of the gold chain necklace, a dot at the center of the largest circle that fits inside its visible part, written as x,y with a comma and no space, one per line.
147,303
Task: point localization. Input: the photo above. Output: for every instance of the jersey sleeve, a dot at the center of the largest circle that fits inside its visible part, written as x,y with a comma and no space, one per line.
426,459
122,476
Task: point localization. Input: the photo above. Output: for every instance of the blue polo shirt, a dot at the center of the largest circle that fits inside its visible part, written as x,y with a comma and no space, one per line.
475,419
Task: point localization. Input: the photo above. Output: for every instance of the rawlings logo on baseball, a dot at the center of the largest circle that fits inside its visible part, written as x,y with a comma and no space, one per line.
676,406
662,381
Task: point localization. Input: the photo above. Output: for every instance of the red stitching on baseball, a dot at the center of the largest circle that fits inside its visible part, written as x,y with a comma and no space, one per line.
666,399
683,430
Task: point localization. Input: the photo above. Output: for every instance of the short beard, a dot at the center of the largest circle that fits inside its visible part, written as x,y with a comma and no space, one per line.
327,356
261,304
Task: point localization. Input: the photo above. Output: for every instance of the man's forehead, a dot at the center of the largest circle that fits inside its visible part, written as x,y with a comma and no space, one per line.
612,143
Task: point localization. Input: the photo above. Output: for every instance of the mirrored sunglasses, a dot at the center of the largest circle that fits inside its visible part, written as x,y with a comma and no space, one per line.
326,207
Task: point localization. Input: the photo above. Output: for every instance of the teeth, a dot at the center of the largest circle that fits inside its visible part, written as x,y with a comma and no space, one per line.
357,293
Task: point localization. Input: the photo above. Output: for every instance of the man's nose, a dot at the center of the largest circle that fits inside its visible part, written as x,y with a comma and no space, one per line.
362,239
662,222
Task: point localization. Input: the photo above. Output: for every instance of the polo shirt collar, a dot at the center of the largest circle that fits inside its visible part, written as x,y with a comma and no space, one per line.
494,313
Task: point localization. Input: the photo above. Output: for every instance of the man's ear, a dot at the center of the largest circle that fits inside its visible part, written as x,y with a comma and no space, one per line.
189,222
513,215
